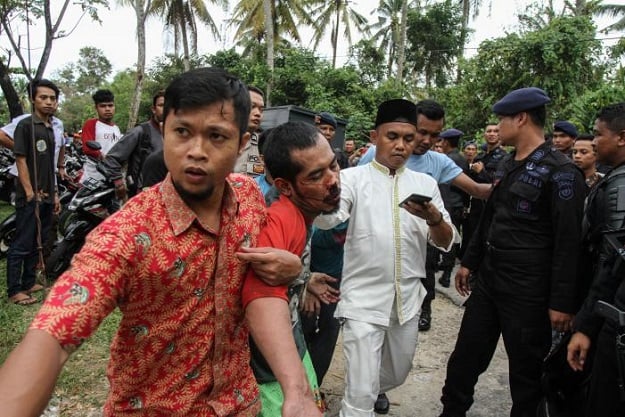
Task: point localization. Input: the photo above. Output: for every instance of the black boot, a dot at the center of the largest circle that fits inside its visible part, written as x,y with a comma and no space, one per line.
382,404
425,321
445,279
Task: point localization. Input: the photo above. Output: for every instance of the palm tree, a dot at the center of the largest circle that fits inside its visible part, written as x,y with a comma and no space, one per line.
182,17
331,14
470,10
141,8
401,53
270,48
387,29
614,11
248,17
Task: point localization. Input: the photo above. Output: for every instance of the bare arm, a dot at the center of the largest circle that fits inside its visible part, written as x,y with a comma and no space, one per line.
270,325
477,190
24,176
6,140
28,376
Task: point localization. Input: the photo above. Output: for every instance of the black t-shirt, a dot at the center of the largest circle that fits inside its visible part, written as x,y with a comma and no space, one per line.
42,157
154,169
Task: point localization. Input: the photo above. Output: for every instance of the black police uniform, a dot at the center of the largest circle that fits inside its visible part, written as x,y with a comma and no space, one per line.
456,201
522,248
605,212
490,160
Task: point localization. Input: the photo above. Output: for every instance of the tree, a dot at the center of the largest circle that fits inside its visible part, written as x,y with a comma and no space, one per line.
332,14
78,80
614,11
16,12
141,8
562,58
181,16
434,41
270,48
387,30
470,10
249,18
403,32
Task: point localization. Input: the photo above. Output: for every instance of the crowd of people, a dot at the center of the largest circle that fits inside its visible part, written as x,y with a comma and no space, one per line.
238,254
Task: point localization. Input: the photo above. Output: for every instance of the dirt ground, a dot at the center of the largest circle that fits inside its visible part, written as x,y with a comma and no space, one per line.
420,395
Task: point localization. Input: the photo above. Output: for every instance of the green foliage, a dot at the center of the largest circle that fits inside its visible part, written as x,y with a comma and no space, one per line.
435,39
562,58
77,82
123,86
583,110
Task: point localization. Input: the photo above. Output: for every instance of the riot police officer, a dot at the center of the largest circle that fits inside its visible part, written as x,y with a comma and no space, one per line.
605,212
522,248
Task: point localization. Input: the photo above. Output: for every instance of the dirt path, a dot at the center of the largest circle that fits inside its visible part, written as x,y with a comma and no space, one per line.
419,396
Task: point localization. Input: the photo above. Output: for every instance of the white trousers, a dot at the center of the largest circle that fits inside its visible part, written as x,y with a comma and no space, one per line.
377,359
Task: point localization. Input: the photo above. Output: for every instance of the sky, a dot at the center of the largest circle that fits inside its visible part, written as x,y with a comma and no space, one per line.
115,36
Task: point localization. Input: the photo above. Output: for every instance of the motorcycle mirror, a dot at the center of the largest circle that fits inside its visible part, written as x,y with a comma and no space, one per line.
92,144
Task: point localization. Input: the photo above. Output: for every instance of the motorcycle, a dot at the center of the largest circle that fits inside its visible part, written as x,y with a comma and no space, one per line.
67,188
91,204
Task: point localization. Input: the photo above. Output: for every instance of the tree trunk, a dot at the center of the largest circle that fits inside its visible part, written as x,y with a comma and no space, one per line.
185,46
10,95
401,53
335,34
267,8
141,8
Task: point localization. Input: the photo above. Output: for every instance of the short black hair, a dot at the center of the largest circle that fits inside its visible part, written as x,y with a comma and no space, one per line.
585,136
613,116
430,109
204,86
284,139
256,90
31,87
159,93
103,96
538,115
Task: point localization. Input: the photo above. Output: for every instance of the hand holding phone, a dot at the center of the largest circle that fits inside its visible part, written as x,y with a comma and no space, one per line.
417,199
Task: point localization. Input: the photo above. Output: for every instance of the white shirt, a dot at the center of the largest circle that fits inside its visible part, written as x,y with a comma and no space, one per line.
385,247
106,135
57,127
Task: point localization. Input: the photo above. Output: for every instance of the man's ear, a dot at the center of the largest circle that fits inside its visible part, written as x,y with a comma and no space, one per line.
373,135
243,142
620,141
283,186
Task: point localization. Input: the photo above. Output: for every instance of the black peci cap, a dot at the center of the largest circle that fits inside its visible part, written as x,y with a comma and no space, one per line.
396,110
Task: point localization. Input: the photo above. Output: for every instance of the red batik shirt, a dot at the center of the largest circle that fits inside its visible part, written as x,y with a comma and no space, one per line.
181,349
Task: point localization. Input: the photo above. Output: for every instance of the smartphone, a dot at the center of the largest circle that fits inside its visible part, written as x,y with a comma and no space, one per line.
416,198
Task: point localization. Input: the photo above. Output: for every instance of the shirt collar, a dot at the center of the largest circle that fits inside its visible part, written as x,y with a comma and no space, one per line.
384,170
182,217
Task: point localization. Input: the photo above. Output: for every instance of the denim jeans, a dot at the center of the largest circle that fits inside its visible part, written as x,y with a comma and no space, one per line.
22,255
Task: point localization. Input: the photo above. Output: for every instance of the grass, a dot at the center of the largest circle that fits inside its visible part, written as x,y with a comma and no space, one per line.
82,386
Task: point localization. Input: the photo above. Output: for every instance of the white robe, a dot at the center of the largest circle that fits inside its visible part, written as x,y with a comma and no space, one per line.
385,246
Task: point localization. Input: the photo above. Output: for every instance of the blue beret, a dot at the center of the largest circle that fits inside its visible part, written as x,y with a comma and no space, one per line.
326,118
396,110
566,127
521,100
451,133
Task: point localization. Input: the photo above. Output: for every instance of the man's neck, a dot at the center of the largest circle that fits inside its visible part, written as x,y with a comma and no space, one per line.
527,145
589,172
45,118
106,122
490,148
